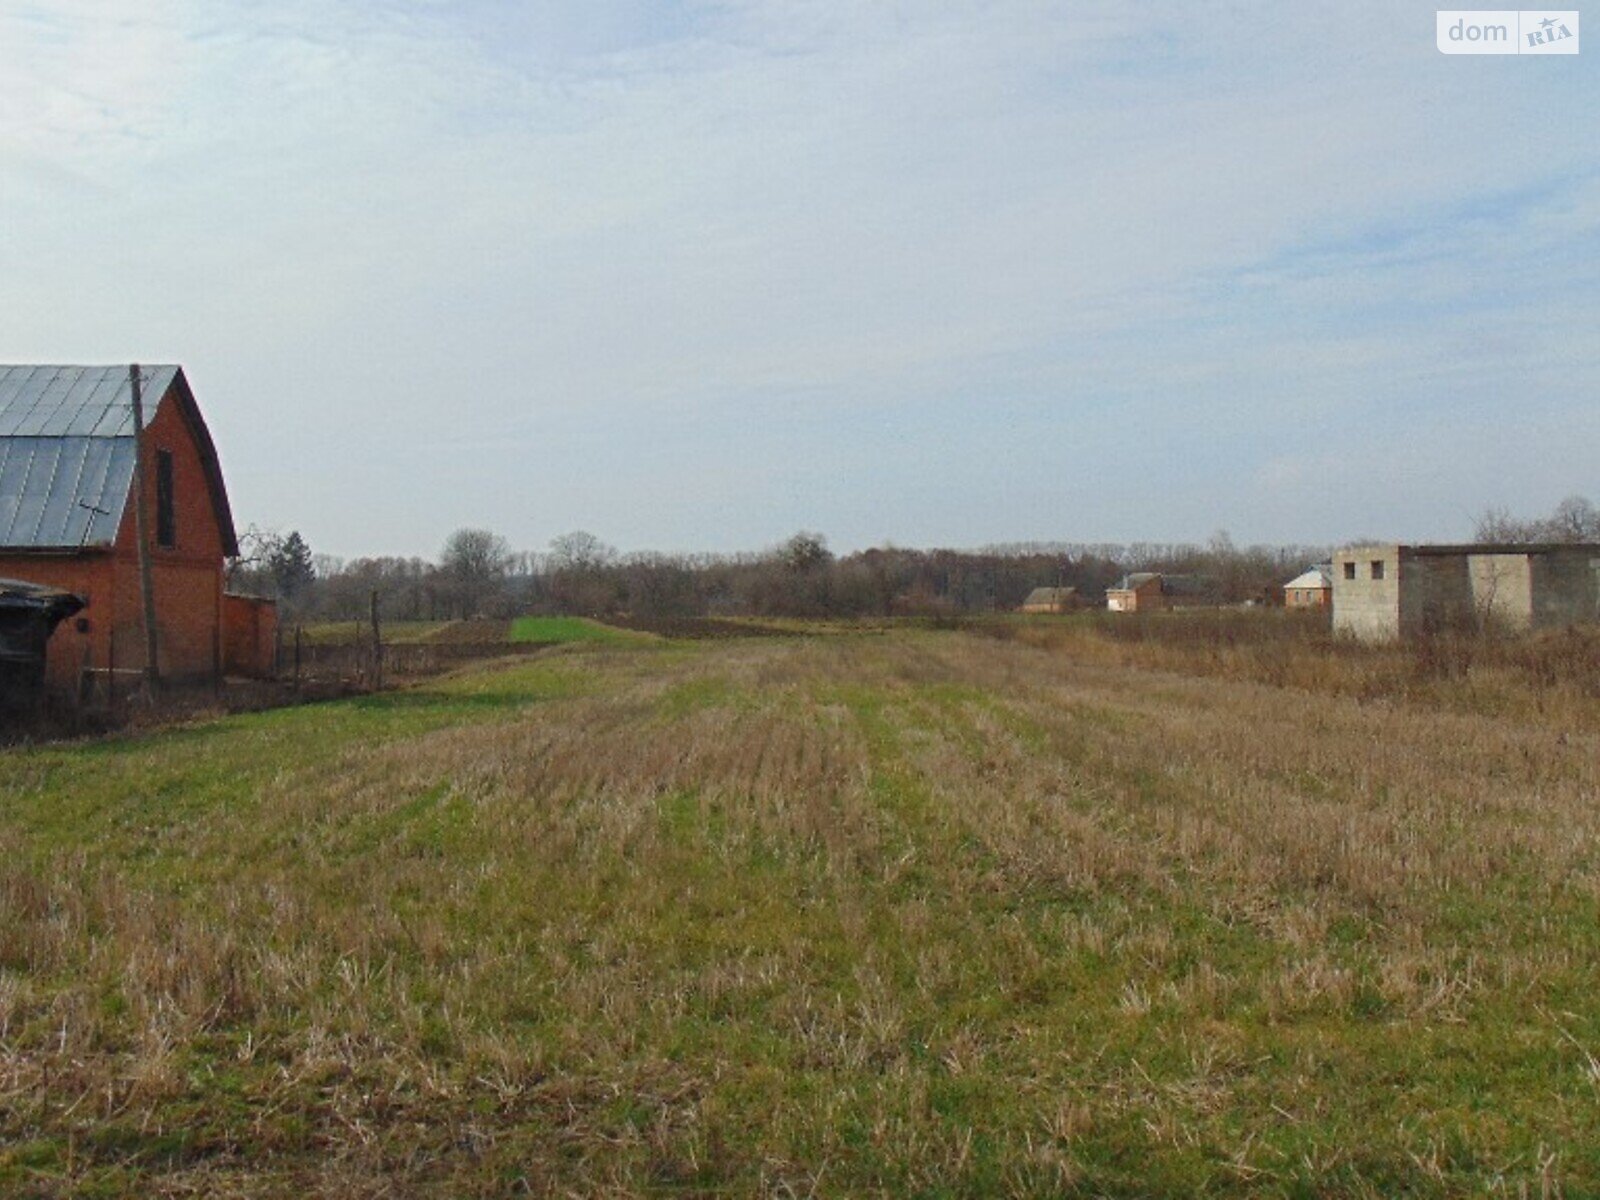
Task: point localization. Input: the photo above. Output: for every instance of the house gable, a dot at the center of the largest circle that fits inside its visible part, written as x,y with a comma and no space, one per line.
67,454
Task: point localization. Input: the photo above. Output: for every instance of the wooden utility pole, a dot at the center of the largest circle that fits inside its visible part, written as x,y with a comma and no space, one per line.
377,647
147,590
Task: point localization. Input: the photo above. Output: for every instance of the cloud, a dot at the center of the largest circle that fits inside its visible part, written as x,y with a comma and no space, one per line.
878,237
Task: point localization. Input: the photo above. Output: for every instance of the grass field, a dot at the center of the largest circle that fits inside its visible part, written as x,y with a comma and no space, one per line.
920,913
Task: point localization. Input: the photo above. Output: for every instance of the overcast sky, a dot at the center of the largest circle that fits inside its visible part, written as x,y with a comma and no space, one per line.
698,275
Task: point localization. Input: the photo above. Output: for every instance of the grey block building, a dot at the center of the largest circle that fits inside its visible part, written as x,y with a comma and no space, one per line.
1387,591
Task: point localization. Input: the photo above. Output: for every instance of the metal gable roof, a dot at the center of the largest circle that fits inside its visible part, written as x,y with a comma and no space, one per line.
67,452
63,492
1316,577
1136,580
75,401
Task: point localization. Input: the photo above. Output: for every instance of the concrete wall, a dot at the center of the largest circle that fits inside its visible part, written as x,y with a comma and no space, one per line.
1566,586
1424,589
1366,603
1435,593
1502,589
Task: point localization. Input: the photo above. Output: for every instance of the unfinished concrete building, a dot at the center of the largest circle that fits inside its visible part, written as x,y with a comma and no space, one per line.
1387,591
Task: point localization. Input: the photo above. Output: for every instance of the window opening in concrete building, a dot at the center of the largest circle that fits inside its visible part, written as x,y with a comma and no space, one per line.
1349,570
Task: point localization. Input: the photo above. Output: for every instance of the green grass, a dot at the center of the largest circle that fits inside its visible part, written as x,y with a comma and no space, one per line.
569,629
919,914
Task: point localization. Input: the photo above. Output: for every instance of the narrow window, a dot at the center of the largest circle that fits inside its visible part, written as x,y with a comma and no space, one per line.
166,524
1377,568
1350,570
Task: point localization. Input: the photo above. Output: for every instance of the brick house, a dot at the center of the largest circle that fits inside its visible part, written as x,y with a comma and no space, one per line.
66,519
1141,591
1314,589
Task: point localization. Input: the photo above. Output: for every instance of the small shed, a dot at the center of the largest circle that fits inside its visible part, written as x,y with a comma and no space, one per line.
29,614
1051,600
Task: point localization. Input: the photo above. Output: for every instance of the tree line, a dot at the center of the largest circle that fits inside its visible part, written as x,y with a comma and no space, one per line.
477,574
1575,519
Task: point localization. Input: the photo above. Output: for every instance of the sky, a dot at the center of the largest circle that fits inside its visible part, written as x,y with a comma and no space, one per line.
694,276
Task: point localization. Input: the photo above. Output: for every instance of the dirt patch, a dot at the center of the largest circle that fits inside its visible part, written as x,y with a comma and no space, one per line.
473,633
697,628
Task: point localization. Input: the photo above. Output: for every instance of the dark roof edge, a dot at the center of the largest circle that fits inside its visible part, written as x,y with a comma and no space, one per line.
1442,550
57,551
208,460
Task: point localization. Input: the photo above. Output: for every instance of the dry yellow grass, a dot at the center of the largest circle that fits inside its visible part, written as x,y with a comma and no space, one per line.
922,913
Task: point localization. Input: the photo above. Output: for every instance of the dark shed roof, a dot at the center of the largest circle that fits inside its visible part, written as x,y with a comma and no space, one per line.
67,453
1136,580
37,597
28,612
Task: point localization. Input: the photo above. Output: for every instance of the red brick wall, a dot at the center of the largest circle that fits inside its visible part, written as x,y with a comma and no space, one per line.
1307,597
249,636
90,576
1144,598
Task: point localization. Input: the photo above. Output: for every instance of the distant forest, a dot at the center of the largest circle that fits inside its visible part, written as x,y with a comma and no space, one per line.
479,574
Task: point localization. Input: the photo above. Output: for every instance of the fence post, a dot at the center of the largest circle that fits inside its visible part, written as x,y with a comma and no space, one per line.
297,632
377,646
86,677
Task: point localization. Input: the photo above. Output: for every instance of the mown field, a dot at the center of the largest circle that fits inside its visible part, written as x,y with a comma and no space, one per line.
915,913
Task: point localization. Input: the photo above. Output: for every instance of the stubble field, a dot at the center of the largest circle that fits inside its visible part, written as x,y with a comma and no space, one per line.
915,913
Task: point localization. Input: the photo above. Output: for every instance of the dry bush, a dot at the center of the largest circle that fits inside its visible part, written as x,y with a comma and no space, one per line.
1549,673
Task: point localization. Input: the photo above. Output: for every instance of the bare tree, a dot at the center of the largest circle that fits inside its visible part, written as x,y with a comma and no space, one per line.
580,551
582,575
1496,524
1575,520
475,562
249,568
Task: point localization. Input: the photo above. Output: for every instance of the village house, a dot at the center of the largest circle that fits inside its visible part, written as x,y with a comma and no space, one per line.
1051,600
1387,591
1141,591
67,453
1156,591
1314,589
